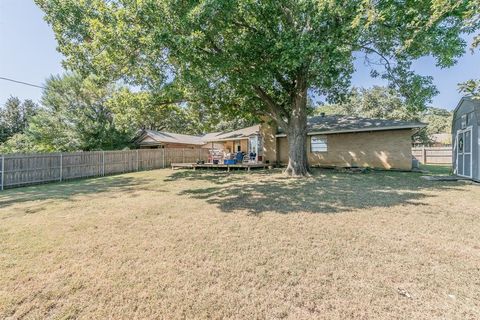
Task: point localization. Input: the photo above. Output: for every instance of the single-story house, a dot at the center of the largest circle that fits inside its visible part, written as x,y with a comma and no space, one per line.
466,139
151,139
244,140
340,141
441,139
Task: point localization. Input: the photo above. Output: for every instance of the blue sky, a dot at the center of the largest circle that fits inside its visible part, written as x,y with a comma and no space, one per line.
27,53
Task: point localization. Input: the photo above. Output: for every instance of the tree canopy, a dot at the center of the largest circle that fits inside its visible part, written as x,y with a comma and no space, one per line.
74,116
259,57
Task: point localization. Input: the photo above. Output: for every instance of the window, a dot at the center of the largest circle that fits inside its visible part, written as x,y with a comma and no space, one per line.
469,118
318,144
464,121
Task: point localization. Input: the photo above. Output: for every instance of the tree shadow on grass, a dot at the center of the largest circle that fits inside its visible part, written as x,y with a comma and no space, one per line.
67,190
327,191
217,176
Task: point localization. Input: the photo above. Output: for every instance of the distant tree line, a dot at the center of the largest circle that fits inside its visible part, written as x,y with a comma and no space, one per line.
77,113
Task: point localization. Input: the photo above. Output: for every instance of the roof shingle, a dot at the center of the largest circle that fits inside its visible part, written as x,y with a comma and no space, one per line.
343,124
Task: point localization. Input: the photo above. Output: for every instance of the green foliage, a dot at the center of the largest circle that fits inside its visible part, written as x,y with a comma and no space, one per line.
439,120
83,120
14,117
471,87
376,102
75,117
18,143
143,110
472,19
140,110
250,56
52,131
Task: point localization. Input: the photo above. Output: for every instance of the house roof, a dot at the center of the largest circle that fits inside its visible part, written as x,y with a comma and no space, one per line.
152,137
444,138
315,125
168,137
344,124
232,135
473,103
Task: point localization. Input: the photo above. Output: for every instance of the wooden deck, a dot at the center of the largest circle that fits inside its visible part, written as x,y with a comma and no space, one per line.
220,166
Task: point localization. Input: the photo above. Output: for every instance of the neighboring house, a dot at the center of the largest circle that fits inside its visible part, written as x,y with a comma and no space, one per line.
465,137
246,140
441,139
437,140
332,141
148,139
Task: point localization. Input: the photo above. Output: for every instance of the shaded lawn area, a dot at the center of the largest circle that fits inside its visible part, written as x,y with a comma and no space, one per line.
207,244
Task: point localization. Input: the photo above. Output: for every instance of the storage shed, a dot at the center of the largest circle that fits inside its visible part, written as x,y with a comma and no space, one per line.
465,137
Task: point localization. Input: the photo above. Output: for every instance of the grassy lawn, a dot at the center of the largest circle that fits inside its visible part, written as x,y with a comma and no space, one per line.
202,244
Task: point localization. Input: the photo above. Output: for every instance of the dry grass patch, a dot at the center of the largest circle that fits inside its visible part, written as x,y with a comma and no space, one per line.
183,244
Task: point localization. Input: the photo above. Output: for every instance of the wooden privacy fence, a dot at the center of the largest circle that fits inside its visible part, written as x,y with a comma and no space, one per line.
433,155
26,169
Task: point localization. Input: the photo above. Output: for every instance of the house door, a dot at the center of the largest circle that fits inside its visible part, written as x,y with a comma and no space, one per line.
464,153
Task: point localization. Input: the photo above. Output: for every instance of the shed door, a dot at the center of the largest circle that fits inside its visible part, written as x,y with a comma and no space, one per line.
464,153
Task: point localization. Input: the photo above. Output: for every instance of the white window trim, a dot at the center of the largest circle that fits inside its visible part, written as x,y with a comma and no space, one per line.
324,138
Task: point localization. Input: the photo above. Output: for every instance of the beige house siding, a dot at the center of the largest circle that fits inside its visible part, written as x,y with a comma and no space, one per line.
376,149
267,132
169,145
244,145
214,145
231,146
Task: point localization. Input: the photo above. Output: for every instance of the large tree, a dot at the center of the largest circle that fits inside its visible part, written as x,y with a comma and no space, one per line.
75,117
472,18
258,57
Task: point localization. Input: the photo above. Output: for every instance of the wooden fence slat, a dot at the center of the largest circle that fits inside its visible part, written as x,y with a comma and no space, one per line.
27,169
433,155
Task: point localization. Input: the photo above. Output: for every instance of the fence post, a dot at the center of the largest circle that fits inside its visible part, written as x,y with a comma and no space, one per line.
183,155
137,160
424,155
3,171
103,163
61,166
164,157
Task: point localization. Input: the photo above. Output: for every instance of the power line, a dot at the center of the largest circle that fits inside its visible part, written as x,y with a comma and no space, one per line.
21,82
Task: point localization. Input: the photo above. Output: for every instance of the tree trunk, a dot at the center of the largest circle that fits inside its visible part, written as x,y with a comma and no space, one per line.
297,152
297,136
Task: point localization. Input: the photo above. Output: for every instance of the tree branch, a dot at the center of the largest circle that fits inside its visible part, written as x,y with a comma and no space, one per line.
387,65
382,56
287,86
276,111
